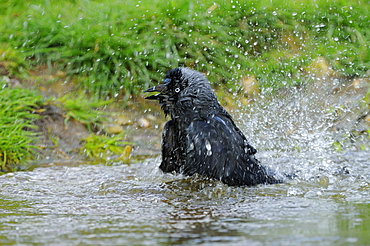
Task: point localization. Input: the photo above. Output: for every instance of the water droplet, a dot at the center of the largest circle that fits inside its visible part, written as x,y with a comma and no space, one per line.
320,25
209,148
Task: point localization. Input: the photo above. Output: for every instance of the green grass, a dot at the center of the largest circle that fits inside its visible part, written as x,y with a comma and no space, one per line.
80,108
107,149
118,48
12,62
17,114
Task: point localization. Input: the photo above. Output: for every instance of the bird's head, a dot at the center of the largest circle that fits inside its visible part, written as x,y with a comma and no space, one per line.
182,87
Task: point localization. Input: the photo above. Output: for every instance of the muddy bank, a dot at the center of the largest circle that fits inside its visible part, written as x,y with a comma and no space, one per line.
63,141
141,122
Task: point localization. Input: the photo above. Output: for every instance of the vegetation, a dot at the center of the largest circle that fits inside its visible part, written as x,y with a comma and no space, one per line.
107,148
103,148
118,48
12,62
17,110
115,49
83,110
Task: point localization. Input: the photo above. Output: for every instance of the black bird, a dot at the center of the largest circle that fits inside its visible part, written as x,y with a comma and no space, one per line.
201,136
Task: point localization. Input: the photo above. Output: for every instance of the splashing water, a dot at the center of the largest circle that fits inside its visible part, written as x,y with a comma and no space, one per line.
326,202
303,123
301,118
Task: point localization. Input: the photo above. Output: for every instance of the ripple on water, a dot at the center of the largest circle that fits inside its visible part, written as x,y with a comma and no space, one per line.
137,204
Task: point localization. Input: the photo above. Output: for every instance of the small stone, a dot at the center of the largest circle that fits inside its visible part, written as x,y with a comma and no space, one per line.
151,117
123,120
113,128
250,85
143,123
360,83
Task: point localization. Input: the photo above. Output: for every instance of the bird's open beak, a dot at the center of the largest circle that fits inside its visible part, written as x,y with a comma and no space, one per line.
157,88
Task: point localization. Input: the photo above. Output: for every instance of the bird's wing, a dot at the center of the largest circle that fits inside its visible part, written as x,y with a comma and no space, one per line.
171,150
215,148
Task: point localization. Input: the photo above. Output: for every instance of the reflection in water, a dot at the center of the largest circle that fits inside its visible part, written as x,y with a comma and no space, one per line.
354,222
325,203
136,204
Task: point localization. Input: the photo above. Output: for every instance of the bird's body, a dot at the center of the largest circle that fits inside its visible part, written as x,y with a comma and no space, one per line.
201,136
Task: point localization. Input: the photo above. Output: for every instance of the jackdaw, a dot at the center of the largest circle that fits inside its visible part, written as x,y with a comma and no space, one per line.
201,137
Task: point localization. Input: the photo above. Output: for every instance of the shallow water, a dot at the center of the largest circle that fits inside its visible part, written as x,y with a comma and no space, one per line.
137,205
327,202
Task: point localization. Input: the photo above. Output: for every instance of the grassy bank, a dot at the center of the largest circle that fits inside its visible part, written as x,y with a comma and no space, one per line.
115,49
31,125
17,110
120,47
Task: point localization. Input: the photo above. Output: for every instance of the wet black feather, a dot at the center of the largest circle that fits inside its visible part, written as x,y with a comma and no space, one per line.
201,137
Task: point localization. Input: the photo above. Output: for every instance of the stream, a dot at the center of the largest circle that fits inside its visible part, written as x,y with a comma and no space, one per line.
326,202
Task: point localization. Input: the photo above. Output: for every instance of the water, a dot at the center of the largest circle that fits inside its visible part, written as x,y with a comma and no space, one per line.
327,202
136,204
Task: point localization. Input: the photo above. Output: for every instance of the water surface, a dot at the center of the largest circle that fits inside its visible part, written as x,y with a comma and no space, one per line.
136,204
326,202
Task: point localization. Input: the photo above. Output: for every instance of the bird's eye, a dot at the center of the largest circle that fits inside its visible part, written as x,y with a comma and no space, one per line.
177,90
